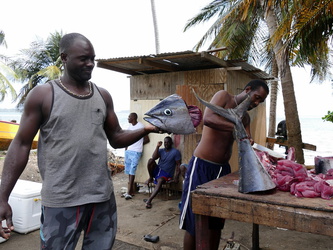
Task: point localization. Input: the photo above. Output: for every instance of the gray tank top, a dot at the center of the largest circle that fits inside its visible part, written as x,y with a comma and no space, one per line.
72,151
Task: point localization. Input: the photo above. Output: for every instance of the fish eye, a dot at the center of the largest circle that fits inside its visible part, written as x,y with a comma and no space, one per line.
167,112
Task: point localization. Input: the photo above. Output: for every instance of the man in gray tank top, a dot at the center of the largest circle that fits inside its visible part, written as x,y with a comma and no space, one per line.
75,119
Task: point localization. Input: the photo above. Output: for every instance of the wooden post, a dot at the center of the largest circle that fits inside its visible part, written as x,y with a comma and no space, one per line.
201,239
255,237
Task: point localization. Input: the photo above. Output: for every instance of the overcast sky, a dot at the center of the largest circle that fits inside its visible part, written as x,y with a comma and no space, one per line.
125,28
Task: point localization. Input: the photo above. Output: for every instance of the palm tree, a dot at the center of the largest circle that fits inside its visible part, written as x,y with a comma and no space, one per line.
246,27
157,39
231,34
300,38
273,100
5,72
38,64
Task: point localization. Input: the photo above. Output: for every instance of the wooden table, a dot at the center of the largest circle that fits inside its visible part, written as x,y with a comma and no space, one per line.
220,198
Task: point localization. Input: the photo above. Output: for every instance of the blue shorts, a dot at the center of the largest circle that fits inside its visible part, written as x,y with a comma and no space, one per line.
160,173
199,172
132,159
62,227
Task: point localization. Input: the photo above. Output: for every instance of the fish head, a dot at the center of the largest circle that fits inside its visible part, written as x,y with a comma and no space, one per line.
172,115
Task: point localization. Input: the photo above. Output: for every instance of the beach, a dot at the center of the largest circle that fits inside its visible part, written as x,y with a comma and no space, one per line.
135,221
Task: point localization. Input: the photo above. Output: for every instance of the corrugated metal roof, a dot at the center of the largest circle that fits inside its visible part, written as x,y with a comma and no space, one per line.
176,61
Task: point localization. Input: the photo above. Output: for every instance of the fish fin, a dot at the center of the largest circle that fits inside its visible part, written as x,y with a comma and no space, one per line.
227,113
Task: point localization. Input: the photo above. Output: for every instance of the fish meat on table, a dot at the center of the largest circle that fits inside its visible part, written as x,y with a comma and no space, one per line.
253,176
290,176
173,115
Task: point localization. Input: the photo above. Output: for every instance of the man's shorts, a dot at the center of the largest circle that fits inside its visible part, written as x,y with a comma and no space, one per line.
62,227
159,173
199,172
132,159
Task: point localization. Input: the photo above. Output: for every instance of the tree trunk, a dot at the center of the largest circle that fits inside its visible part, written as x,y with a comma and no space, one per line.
289,99
157,39
291,113
272,106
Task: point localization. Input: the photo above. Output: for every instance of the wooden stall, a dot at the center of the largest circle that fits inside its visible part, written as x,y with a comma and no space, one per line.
220,198
154,77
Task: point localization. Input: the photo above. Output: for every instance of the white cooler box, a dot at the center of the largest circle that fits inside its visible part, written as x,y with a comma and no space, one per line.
25,201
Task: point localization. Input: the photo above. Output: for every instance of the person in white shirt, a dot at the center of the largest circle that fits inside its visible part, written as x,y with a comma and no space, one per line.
133,155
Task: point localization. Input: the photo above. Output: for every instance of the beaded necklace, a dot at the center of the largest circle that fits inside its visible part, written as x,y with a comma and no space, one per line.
74,94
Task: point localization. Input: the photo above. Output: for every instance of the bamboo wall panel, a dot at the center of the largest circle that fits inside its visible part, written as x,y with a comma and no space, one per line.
155,86
197,77
236,81
258,124
192,77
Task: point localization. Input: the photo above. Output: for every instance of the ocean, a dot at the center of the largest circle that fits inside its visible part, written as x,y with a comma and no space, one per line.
317,132
314,131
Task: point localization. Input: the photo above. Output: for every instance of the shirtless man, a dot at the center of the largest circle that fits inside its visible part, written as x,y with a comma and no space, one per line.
211,156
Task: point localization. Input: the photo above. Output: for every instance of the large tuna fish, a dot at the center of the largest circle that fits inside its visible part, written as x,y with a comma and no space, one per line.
253,177
172,115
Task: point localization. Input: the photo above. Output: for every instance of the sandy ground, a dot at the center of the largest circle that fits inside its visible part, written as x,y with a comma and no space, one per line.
135,221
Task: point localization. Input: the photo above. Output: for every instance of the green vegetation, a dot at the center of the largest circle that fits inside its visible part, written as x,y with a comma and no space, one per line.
328,117
38,64
288,33
6,73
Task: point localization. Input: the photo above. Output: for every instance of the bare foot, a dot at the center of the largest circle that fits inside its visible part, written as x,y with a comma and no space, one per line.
150,180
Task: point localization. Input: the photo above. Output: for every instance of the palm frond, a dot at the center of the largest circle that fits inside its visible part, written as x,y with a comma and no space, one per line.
216,7
6,88
304,27
38,64
51,72
2,39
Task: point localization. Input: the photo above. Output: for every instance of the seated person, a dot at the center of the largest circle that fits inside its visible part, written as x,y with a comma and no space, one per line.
167,167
